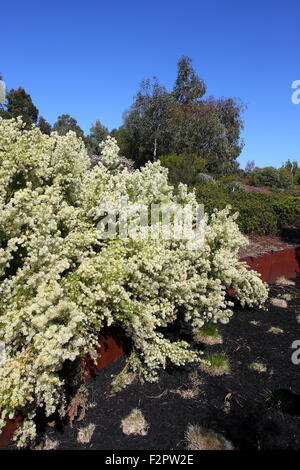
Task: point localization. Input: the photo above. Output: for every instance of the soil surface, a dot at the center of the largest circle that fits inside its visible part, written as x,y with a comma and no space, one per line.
251,409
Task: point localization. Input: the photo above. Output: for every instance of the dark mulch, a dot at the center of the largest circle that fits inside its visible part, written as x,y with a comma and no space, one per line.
244,418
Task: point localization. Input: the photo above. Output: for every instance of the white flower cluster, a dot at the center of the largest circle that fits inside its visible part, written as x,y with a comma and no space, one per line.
59,284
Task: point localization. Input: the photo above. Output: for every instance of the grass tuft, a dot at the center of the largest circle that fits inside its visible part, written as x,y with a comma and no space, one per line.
216,364
84,435
287,297
186,394
275,330
199,438
208,334
193,391
135,424
258,367
283,281
46,444
281,303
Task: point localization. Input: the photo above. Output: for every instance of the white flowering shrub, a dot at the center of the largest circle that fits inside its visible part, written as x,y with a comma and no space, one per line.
60,284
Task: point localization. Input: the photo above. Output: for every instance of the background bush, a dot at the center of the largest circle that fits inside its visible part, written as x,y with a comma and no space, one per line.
184,168
258,212
272,178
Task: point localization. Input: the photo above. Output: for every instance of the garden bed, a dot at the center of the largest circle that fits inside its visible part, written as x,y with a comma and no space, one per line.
271,256
239,405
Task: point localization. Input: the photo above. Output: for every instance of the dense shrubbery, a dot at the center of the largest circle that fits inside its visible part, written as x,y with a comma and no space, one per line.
273,178
258,213
287,210
183,168
60,284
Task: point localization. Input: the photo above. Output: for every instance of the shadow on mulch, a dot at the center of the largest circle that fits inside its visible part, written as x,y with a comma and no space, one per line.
236,405
291,234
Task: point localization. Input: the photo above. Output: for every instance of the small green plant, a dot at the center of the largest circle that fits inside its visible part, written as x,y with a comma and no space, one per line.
208,334
216,364
210,329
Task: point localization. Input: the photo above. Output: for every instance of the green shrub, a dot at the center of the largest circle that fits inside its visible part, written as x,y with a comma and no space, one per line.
213,196
272,178
183,168
287,210
228,179
258,212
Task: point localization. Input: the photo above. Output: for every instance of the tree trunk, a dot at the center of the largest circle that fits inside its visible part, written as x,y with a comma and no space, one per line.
155,150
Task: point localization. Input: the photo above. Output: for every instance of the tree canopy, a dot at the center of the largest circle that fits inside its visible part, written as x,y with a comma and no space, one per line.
66,123
98,134
44,126
182,122
19,103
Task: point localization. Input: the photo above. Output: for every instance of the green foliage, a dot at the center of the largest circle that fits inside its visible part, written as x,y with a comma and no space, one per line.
44,126
293,169
183,168
19,103
287,210
204,178
210,329
216,364
271,177
203,129
66,123
182,122
188,86
258,212
145,133
98,134
228,179
217,359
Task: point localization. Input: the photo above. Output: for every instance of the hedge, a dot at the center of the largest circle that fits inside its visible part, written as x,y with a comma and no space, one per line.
258,212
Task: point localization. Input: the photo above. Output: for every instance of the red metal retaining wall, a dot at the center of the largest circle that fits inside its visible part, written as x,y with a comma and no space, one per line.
275,264
112,343
8,430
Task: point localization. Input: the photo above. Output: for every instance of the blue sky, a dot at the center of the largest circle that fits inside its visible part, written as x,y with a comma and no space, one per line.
88,58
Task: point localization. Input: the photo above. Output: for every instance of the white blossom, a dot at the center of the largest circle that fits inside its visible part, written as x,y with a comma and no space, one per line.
60,284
